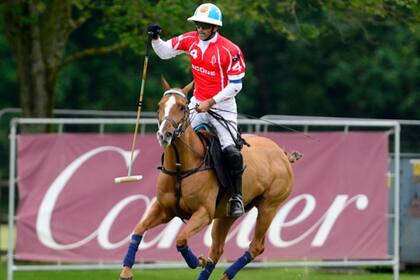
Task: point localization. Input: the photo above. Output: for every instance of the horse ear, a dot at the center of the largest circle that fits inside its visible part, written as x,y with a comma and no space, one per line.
165,84
187,88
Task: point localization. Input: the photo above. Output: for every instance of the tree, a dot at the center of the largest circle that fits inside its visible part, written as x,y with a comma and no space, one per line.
39,31
38,36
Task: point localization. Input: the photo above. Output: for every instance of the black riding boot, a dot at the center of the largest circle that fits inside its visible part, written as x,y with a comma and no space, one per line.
234,163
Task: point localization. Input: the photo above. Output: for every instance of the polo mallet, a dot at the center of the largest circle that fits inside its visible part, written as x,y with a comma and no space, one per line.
134,178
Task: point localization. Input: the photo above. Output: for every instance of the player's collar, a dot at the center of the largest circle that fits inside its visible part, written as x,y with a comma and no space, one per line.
212,40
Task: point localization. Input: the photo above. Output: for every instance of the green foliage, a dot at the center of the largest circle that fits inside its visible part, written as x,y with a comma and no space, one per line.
379,80
350,58
8,97
294,33
127,20
8,78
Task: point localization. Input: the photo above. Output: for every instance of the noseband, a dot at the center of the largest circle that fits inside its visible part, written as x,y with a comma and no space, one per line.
180,127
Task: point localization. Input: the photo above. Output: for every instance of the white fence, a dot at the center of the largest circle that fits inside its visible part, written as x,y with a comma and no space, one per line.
257,125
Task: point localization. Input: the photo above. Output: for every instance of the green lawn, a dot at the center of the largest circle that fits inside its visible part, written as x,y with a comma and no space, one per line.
3,237
180,274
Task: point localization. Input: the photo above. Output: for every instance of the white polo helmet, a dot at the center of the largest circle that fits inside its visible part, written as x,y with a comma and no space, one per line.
207,13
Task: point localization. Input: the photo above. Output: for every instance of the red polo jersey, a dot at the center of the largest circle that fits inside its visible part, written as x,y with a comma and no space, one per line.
212,67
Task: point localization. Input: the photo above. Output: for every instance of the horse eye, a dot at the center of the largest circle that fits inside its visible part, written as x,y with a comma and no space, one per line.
182,108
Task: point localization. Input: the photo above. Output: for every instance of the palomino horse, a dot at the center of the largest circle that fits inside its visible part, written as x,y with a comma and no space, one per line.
267,182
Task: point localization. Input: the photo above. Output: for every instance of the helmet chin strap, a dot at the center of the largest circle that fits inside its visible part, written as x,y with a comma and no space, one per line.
211,34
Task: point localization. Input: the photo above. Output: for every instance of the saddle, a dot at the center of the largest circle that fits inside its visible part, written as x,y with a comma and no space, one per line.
215,156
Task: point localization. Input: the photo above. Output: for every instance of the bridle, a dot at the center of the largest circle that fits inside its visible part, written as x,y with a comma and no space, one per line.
182,125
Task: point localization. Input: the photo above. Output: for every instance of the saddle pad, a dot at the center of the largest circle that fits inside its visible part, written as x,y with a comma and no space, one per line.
216,158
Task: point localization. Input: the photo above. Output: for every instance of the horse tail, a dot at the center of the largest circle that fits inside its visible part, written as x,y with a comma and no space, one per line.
294,156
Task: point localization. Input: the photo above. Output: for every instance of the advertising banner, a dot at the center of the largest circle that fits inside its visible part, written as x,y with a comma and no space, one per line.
70,210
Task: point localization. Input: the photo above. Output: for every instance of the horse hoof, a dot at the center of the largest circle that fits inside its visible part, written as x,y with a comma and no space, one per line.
202,261
225,277
126,273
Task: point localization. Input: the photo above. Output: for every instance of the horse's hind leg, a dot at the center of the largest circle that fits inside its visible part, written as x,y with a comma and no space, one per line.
197,222
155,216
266,213
219,233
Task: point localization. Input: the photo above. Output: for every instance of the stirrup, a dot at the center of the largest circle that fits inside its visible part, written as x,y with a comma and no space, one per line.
239,211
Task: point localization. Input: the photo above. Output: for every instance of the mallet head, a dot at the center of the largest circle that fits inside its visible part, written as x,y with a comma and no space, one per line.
128,179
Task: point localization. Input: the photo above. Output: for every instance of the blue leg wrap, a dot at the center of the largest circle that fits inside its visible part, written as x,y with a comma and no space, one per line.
132,249
206,271
189,256
238,265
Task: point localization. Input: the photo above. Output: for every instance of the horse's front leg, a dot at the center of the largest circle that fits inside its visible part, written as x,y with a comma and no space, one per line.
154,217
197,222
219,233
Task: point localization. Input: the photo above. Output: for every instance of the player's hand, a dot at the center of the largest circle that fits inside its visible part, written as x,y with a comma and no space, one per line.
204,106
153,30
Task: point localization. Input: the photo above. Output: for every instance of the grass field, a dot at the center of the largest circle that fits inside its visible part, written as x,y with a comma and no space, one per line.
3,237
181,274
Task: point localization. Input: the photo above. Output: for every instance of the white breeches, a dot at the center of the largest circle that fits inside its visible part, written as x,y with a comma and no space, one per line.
230,114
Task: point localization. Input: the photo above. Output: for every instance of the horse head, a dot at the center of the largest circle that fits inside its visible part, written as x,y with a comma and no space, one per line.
173,113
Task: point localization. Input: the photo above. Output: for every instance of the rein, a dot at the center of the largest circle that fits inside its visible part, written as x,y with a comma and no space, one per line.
307,135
